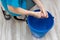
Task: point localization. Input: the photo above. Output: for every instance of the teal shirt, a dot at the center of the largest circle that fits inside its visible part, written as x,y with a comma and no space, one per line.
15,4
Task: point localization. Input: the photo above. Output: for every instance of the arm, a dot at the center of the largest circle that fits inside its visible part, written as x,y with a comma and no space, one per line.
13,6
40,5
20,10
24,12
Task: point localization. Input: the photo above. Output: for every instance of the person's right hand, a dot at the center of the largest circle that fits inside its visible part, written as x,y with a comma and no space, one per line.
39,14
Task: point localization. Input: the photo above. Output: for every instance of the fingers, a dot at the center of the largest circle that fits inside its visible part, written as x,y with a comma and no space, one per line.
41,14
45,14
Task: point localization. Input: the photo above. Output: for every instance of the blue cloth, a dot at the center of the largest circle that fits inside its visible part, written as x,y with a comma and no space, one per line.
15,4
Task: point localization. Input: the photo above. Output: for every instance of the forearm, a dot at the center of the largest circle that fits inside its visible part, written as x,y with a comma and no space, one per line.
39,4
24,12
20,11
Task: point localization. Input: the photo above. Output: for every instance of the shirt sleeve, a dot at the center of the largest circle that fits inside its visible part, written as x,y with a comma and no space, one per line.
13,3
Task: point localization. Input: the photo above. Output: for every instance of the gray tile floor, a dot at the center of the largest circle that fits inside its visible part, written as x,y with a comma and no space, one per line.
17,30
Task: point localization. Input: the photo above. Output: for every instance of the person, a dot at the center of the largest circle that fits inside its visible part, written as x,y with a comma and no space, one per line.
19,7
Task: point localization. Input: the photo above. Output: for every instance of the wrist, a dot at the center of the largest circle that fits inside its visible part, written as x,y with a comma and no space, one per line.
31,13
27,12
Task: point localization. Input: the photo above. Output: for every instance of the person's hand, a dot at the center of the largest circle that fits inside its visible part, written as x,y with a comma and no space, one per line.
39,14
45,14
